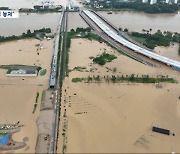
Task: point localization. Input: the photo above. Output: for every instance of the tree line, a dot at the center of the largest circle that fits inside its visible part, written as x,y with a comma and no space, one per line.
28,34
125,78
157,39
144,7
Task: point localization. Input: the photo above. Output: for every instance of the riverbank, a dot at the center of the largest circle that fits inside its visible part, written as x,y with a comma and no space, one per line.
39,34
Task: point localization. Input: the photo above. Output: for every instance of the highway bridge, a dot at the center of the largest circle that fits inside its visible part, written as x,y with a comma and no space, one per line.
130,45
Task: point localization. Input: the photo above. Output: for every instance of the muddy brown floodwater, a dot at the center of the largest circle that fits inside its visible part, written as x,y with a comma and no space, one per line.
117,117
170,51
18,96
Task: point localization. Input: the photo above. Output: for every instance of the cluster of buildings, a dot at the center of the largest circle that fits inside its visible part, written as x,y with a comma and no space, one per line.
166,1
101,3
73,7
47,5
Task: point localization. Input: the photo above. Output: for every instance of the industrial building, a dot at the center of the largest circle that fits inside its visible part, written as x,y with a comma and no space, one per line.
171,1
22,72
153,2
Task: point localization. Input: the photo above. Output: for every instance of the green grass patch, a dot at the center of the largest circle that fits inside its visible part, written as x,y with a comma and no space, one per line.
77,80
138,39
157,39
139,6
92,36
104,58
43,96
39,68
128,78
36,101
91,57
2,134
43,72
79,68
9,71
10,66
82,33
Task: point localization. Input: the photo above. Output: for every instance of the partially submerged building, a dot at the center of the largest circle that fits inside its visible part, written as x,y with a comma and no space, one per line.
22,72
161,130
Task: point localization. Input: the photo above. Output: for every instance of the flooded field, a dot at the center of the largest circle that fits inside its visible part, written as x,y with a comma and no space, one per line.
18,94
95,117
107,117
171,51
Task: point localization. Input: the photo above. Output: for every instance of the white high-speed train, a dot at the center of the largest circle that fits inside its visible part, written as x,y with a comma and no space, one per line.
53,75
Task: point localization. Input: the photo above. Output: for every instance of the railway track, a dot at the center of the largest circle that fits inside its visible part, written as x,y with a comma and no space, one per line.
54,65
61,68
